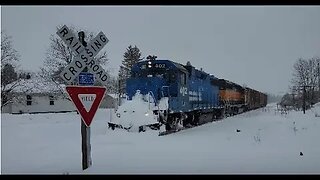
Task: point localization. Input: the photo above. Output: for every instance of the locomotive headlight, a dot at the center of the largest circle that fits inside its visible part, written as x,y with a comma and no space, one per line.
149,62
149,66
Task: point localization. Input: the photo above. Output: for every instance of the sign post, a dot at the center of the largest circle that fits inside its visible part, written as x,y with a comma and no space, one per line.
87,97
85,146
85,130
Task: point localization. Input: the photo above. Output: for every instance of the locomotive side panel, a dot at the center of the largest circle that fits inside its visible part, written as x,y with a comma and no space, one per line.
203,95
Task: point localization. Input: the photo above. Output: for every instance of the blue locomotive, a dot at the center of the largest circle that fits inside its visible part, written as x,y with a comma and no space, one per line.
189,94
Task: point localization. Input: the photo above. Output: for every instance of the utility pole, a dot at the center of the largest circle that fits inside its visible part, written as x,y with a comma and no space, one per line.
119,89
304,100
293,103
319,80
304,97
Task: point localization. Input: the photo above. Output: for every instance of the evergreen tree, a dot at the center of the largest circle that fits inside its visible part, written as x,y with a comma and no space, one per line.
8,75
131,56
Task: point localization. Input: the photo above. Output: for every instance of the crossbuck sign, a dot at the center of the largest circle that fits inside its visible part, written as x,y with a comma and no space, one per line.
85,55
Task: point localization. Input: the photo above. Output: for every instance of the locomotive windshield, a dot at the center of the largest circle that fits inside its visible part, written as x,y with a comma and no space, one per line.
150,73
155,70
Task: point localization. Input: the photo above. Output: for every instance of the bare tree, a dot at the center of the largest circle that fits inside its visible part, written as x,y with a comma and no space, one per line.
9,60
306,74
8,54
11,77
313,71
59,55
112,84
300,74
317,76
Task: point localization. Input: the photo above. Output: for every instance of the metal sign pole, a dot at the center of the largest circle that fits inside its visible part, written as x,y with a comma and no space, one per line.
85,131
86,146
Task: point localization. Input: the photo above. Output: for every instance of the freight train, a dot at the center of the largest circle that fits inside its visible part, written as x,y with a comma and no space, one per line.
176,96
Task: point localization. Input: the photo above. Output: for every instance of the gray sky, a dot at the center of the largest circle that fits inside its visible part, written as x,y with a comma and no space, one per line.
252,45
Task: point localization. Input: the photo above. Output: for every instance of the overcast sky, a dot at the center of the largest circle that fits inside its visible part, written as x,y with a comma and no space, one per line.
252,45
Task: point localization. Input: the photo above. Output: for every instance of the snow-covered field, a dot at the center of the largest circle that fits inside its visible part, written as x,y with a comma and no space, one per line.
268,142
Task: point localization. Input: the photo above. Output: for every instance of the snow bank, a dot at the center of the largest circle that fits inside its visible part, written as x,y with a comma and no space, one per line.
138,111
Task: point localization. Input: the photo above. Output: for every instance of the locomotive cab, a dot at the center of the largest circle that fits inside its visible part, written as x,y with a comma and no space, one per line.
161,78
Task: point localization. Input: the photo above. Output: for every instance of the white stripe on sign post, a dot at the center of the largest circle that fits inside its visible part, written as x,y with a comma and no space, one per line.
85,57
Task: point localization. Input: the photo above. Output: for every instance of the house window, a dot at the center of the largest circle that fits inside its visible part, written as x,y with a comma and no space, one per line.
51,100
29,100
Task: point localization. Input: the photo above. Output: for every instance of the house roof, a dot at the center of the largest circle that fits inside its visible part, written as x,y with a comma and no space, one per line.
35,85
39,85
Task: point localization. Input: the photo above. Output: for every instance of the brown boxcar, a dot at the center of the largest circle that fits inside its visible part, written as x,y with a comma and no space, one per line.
254,99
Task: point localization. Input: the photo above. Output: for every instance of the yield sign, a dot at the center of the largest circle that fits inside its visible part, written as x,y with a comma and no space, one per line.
87,100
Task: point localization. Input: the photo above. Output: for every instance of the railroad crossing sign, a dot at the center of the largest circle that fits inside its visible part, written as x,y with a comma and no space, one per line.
87,100
85,55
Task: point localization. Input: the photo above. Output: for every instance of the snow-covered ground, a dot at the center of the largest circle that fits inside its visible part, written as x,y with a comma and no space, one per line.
268,142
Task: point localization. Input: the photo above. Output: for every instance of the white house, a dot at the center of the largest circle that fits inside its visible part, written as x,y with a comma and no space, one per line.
38,96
